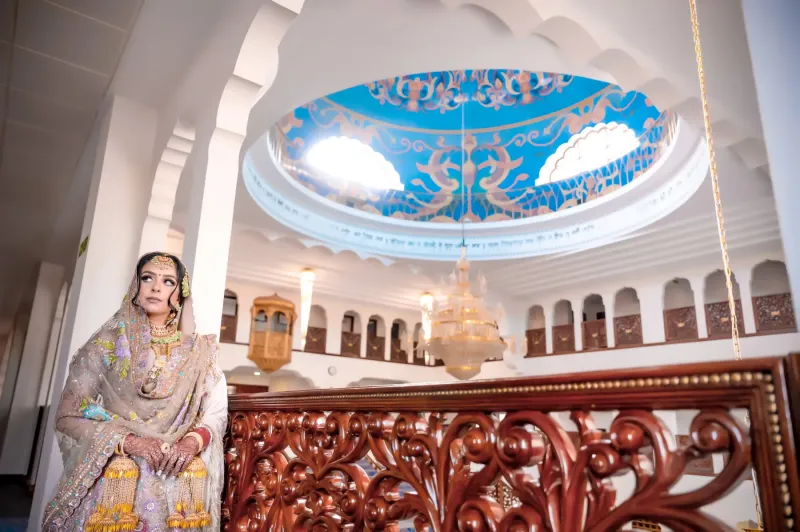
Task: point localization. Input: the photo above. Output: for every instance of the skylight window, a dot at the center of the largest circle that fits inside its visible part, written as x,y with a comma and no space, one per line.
592,148
351,161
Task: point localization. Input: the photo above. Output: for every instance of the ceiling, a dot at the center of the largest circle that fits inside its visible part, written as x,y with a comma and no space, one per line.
473,145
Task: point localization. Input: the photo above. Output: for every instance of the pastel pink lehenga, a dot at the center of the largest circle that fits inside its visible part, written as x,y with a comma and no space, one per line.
103,402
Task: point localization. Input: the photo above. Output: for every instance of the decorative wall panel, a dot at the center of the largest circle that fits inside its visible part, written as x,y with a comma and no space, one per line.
594,334
680,324
316,339
628,330
774,312
351,344
398,354
718,319
536,342
376,347
564,338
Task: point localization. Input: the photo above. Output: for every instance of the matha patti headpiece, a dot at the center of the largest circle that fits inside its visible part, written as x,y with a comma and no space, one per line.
163,262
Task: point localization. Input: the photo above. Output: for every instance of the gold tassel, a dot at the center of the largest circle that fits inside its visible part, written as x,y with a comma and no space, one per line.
114,510
190,507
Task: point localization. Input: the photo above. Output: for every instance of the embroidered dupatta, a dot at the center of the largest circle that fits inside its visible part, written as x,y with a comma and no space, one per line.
102,402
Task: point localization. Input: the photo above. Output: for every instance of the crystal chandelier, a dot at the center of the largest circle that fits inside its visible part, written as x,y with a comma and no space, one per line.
463,332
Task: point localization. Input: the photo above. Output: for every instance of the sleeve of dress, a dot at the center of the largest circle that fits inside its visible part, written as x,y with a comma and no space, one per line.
215,411
80,410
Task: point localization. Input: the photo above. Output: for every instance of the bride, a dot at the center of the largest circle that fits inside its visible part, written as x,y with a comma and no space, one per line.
142,416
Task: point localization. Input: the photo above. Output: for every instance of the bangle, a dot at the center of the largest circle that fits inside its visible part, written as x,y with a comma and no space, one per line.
197,438
205,434
121,446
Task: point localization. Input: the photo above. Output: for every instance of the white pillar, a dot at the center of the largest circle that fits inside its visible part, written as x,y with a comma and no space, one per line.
119,158
745,278
548,330
651,306
577,313
608,303
23,416
698,289
244,319
387,342
773,40
364,330
165,186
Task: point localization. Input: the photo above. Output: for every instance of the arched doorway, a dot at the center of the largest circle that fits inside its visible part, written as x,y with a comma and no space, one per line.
563,327
680,316
594,323
535,333
772,297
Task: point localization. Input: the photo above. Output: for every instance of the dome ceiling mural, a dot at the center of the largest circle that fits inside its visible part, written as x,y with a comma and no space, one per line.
478,145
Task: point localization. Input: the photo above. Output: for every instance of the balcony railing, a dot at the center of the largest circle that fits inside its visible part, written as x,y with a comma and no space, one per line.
501,455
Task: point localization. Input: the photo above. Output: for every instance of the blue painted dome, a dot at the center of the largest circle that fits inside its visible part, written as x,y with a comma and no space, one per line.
481,145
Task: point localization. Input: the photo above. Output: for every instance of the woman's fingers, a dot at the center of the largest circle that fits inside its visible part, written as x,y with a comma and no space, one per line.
169,470
162,463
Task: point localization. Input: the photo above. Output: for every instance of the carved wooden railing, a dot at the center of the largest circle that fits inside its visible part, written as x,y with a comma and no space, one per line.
436,457
376,347
397,353
351,344
316,338
718,318
594,334
774,312
563,338
680,324
536,341
628,330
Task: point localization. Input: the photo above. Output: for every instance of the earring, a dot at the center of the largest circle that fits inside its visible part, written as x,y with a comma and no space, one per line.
185,285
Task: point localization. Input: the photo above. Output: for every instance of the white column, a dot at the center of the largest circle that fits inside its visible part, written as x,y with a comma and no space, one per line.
119,159
773,40
244,319
387,342
745,278
548,329
608,303
333,338
698,289
577,313
24,413
651,306
165,186
364,329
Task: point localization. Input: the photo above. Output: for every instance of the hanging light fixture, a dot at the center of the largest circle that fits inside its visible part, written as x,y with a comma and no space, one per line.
463,333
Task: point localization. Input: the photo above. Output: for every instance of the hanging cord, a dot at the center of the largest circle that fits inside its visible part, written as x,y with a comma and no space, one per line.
737,350
463,163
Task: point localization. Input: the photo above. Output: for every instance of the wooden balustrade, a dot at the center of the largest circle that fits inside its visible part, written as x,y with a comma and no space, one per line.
489,456
376,347
536,342
563,338
397,353
680,324
774,312
594,335
351,344
628,330
316,339
718,318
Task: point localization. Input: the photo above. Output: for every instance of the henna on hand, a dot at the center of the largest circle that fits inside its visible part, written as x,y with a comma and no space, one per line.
147,448
180,456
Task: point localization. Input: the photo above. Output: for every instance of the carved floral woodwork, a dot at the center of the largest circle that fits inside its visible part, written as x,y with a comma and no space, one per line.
594,334
376,347
295,460
563,338
718,318
774,312
628,330
351,344
680,324
397,353
536,342
316,339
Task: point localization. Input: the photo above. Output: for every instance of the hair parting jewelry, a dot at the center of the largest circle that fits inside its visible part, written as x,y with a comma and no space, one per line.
163,262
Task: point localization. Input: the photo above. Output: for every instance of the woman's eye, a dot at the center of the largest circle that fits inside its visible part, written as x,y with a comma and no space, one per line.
146,278
169,282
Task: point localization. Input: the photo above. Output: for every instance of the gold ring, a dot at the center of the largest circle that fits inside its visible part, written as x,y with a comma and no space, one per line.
165,447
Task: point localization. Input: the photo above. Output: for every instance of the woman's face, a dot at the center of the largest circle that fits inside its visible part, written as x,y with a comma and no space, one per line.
157,287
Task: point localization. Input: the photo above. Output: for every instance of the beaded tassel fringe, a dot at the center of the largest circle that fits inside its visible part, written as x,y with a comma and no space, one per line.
190,507
114,510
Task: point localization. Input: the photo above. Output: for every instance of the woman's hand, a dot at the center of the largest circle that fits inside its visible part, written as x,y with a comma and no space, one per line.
177,460
147,448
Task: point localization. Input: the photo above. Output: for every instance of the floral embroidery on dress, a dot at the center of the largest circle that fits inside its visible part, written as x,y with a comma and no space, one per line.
122,351
93,409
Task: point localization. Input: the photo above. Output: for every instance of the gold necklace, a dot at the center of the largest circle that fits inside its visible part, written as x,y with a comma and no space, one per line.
162,338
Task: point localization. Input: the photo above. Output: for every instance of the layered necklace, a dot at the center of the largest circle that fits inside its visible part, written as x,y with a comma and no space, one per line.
162,339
